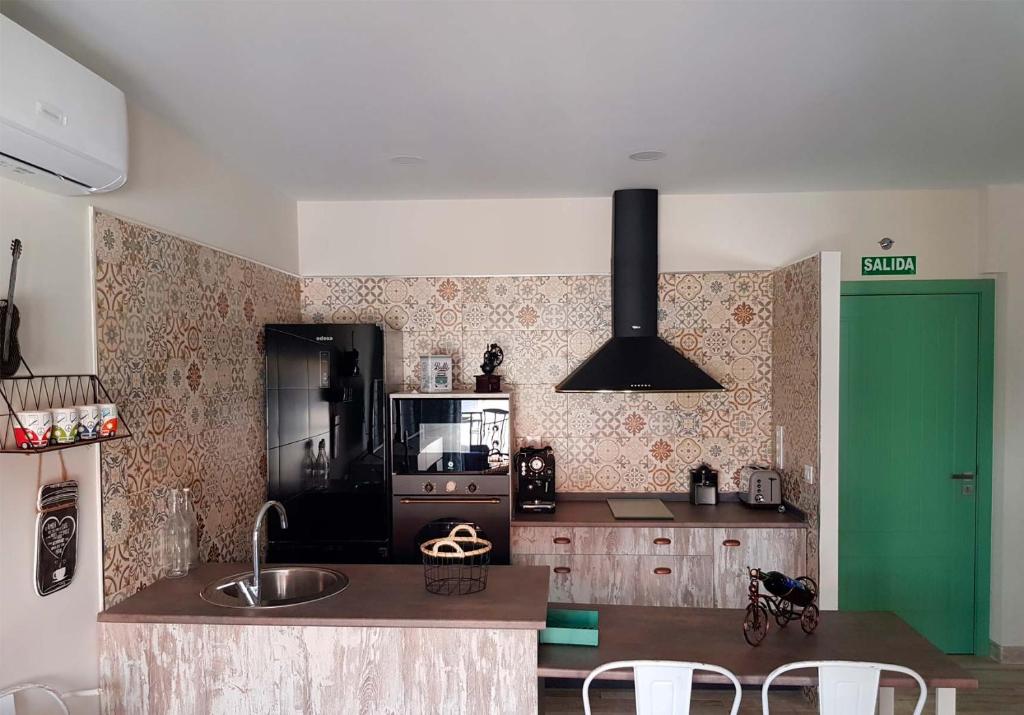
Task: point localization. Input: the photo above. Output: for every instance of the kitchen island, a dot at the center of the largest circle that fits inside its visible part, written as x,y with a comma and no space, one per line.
383,645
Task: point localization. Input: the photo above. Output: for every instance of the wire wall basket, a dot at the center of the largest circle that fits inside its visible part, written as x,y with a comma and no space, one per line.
456,565
32,392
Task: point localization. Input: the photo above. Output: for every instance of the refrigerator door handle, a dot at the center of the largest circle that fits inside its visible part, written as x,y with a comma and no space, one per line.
332,440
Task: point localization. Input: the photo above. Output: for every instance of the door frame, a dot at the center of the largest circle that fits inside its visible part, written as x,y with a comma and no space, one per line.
985,289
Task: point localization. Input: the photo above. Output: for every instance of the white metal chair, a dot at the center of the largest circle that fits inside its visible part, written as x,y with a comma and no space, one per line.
662,686
846,687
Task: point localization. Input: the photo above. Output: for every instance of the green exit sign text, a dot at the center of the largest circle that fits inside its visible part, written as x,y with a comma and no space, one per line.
888,266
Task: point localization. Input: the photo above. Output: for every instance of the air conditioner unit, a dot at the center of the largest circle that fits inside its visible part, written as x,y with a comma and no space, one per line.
62,128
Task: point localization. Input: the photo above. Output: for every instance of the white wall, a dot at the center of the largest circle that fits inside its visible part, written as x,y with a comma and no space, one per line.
698,233
171,185
51,639
828,431
1003,255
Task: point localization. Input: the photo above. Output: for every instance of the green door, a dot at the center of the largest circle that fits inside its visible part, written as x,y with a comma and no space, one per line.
908,454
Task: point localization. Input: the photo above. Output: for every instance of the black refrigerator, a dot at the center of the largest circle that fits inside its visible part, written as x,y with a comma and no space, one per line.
327,388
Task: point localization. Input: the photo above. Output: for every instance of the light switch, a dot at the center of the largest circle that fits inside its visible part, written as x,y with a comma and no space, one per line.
809,474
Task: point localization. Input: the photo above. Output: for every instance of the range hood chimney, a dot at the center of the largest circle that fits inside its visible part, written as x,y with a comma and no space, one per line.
635,359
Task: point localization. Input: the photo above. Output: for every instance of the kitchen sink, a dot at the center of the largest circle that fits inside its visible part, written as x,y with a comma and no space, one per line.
279,586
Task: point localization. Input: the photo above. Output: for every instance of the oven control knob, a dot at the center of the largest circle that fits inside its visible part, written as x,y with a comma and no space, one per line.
471,488
451,487
428,487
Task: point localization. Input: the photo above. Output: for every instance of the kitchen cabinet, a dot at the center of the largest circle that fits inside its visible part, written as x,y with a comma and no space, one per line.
654,541
661,565
627,580
739,550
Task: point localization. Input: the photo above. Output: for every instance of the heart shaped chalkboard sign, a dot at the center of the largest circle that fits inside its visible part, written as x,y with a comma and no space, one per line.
57,534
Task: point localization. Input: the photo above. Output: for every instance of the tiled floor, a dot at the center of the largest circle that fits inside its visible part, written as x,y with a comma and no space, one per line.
1001,692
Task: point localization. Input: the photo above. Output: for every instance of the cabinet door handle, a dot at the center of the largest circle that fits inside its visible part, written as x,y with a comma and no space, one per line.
562,569
731,542
562,540
663,570
662,541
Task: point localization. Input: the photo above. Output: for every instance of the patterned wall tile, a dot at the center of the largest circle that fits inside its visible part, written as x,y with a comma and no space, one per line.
795,399
547,326
180,350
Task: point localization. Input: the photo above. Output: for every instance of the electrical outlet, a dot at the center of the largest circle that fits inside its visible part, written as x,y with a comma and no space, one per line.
809,474
780,451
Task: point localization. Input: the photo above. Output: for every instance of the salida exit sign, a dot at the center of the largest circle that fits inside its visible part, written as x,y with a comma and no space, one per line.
888,266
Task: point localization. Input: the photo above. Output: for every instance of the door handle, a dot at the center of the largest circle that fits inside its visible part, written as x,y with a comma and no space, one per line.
562,540
447,500
663,571
731,542
964,476
662,541
562,569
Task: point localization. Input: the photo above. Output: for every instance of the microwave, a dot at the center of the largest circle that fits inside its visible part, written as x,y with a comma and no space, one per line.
450,433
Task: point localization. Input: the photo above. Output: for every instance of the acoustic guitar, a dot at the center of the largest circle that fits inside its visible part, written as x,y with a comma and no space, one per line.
10,351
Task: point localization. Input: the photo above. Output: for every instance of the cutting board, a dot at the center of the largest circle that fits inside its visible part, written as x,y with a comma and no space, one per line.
639,509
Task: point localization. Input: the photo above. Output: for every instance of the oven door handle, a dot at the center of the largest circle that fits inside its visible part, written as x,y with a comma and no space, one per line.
447,500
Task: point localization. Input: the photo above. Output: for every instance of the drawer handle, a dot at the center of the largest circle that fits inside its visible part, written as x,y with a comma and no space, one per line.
562,540
663,570
562,569
731,542
662,541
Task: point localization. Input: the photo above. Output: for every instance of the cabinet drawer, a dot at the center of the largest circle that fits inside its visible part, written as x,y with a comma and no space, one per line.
612,541
737,550
628,580
675,581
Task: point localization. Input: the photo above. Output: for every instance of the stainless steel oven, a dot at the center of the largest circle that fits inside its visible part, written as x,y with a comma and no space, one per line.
451,464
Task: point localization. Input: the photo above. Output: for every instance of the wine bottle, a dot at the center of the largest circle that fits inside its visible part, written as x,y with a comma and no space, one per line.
786,588
322,468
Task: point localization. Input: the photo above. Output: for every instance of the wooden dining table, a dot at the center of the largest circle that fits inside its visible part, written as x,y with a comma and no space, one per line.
714,635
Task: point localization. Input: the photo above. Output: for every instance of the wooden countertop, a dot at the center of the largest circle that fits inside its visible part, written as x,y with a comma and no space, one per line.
377,596
709,635
723,514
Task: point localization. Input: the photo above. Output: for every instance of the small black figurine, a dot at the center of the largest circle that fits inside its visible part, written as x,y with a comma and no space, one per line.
489,382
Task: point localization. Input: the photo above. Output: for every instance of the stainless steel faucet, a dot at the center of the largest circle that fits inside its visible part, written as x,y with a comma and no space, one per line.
251,592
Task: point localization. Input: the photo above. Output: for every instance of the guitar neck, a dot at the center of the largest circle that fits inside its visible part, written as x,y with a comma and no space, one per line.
14,277
5,347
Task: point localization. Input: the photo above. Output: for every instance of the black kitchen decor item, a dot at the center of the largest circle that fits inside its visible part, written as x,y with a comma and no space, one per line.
488,381
788,599
56,534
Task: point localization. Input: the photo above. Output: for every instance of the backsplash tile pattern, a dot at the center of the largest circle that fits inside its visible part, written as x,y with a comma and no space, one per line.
548,325
180,331
796,345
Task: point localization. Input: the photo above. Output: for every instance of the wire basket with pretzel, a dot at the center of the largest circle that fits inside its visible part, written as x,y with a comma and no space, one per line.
456,565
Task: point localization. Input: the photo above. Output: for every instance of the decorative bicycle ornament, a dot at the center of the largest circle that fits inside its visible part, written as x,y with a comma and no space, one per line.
788,600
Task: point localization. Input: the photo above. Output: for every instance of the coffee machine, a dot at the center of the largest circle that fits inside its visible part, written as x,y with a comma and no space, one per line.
703,485
535,474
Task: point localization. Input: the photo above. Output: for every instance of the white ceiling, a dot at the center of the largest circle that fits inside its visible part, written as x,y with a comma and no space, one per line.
549,98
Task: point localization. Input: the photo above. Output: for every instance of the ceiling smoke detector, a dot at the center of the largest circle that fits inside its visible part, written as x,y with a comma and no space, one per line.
407,160
647,155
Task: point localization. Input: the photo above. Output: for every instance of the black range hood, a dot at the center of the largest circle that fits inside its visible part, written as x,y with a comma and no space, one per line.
635,359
